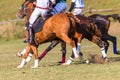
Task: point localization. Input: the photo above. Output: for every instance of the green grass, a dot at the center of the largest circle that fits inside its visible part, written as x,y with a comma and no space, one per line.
8,8
49,69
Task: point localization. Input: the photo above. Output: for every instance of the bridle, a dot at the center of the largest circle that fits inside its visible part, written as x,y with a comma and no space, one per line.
22,12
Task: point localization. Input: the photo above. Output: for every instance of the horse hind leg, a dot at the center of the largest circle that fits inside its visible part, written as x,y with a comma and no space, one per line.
66,39
63,46
114,41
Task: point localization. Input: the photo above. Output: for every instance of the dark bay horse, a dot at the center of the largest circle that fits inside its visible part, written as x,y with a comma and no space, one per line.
103,24
26,11
57,26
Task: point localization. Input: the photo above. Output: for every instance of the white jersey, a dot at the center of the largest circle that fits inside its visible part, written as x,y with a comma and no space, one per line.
44,3
40,9
78,3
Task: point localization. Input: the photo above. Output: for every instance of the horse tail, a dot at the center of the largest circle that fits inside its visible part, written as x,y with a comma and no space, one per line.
114,16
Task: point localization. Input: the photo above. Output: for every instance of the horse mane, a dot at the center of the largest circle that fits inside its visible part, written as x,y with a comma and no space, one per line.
81,19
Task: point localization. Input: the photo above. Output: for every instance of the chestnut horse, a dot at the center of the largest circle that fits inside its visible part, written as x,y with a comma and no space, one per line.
26,12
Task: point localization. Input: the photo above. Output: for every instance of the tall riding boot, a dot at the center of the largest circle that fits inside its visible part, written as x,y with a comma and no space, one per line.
30,38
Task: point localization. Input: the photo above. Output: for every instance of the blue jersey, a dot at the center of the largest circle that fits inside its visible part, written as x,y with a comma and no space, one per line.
32,1
58,1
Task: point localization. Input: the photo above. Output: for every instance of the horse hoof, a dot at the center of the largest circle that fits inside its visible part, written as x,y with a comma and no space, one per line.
77,56
19,54
19,67
106,60
33,67
65,64
118,53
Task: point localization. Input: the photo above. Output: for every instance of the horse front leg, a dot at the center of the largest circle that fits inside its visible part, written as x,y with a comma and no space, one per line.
63,46
20,54
100,43
106,43
35,51
50,47
23,62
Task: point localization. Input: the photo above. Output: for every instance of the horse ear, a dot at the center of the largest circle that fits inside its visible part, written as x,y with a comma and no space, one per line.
31,6
70,14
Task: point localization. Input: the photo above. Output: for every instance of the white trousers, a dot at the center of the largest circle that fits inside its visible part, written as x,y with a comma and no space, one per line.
36,13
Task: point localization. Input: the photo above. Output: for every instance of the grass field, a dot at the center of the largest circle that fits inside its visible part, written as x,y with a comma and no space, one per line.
49,69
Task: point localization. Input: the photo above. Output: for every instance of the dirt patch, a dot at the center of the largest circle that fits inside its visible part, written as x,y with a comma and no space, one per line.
98,59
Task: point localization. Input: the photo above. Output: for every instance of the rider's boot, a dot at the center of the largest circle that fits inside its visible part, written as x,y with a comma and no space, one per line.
30,34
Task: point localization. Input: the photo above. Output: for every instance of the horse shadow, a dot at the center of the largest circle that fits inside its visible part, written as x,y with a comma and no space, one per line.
78,62
114,59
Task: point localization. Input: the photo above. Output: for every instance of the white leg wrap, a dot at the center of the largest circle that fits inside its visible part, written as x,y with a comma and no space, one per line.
103,52
75,52
22,63
69,61
78,47
36,63
23,51
29,57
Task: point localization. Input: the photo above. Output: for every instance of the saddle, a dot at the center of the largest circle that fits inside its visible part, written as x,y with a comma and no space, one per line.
37,26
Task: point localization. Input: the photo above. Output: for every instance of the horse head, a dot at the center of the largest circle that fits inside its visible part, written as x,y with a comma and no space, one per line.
21,13
25,10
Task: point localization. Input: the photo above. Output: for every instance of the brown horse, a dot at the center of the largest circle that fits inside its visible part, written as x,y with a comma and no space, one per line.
57,26
26,12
